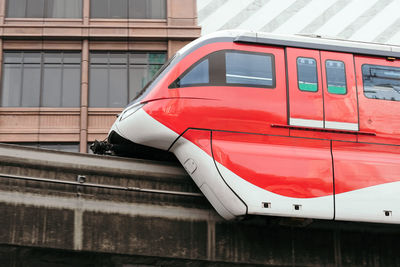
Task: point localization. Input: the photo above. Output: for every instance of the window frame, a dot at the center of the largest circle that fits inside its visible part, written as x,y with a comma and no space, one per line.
363,81
128,15
316,73
176,83
41,63
219,58
128,66
345,76
273,70
44,11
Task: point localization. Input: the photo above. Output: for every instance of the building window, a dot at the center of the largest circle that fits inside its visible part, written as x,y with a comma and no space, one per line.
381,82
123,9
41,79
336,77
115,78
44,8
307,74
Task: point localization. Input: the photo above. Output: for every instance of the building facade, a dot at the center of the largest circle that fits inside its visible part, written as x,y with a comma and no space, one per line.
69,66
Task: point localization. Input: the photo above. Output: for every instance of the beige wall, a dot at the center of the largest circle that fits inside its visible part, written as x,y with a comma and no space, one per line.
84,124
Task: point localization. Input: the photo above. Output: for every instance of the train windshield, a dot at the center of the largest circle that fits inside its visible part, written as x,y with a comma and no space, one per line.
147,88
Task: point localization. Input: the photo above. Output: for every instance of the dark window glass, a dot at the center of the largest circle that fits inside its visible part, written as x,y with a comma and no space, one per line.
71,84
12,57
12,84
72,58
307,74
16,8
32,79
138,78
63,9
108,80
118,9
34,9
52,86
249,69
230,67
30,85
117,77
381,82
336,77
142,68
199,74
99,86
157,76
99,8
150,9
135,9
44,8
118,93
32,57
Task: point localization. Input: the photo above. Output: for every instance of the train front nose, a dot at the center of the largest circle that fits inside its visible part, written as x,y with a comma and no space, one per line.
127,125
137,126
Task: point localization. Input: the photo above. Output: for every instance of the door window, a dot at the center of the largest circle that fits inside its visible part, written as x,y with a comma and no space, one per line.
336,77
307,74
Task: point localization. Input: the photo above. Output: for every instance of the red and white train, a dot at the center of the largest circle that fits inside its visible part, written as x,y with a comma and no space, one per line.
279,125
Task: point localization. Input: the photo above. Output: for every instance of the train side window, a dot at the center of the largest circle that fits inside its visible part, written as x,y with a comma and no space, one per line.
381,82
196,75
336,77
249,69
307,74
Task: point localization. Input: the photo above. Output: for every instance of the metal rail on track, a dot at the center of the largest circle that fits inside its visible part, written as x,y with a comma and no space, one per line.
80,182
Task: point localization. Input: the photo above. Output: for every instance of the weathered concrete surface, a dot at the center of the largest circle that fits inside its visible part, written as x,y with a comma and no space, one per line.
17,256
54,223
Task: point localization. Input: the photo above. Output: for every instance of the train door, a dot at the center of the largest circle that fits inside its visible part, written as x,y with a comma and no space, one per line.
322,91
322,96
367,173
272,173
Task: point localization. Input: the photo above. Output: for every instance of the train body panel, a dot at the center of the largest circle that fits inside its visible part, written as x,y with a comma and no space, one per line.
282,126
201,167
200,106
282,165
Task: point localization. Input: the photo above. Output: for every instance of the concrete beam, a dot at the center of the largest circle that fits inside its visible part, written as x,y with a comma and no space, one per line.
99,215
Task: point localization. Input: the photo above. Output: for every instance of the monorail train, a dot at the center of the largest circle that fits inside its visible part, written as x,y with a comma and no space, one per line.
291,126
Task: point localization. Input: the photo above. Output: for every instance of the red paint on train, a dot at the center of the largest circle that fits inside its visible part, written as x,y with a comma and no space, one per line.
274,132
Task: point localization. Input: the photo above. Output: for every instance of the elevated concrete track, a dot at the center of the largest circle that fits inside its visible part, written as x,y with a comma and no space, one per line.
108,211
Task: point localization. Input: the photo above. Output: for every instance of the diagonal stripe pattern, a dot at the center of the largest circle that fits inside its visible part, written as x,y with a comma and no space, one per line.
345,19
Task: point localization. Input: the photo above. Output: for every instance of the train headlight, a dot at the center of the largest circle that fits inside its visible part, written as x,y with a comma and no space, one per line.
130,111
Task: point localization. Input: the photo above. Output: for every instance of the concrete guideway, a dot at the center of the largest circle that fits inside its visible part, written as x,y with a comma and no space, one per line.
152,212
88,162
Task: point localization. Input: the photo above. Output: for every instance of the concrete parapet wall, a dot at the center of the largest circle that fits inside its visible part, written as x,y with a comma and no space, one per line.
110,216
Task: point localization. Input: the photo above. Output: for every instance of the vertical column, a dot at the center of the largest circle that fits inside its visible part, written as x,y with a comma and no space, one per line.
84,96
1,64
2,11
78,229
211,240
86,12
78,223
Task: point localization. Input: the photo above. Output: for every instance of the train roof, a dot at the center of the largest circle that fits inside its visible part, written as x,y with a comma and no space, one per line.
309,42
